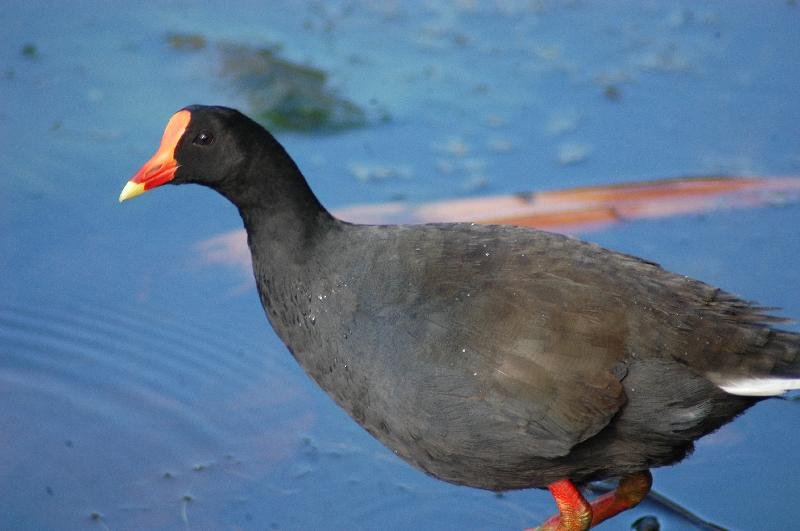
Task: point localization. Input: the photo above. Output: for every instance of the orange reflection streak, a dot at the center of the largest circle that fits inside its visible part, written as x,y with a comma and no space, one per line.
575,210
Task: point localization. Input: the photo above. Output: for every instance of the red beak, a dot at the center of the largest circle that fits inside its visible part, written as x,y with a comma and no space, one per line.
162,166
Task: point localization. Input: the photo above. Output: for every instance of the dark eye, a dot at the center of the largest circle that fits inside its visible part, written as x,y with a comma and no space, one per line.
203,138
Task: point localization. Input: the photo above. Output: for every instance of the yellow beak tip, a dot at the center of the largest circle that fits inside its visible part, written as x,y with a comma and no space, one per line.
131,189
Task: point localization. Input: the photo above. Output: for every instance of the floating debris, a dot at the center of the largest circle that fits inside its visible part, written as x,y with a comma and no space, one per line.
94,516
646,523
186,41
378,172
30,51
287,95
612,93
281,94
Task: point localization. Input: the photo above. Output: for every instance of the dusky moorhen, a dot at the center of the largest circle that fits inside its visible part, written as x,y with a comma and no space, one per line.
497,357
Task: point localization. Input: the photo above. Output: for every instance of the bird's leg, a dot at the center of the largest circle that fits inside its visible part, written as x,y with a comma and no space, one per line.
630,491
574,512
577,514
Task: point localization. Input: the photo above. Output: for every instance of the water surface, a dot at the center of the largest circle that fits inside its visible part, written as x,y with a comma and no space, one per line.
141,388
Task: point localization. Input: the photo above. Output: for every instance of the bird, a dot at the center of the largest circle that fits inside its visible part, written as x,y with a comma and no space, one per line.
493,356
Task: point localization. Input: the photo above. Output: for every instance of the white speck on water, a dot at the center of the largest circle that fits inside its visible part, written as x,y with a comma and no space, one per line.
573,153
563,122
475,183
474,165
446,166
500,145
474,374
548,52
494,120
454,146
487,254
94,95
319,297
377,172
667,59
463,350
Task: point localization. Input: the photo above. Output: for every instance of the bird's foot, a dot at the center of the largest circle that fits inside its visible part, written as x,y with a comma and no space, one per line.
577,514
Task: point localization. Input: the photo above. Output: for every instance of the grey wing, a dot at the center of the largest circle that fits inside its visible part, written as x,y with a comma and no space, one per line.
505,347
546,370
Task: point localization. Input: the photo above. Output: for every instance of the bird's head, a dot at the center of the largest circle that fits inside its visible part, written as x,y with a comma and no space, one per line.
201,144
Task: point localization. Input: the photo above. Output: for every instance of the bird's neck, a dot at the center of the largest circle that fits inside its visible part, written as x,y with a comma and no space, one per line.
289,234
289,239
290,223
279,210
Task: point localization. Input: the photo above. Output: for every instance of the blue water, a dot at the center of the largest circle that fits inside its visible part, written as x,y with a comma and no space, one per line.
141,388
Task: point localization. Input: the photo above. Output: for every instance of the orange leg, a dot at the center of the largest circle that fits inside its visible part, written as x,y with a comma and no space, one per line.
576,514
629,492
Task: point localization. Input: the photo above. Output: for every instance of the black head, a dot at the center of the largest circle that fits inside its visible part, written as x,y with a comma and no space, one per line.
201,144
225,150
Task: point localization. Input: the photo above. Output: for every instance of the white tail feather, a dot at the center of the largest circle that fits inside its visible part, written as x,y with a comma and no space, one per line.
760,386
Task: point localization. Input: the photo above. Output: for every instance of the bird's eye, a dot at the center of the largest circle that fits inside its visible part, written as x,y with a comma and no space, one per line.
203,138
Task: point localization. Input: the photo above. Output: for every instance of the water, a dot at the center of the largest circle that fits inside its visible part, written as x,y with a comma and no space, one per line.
140,385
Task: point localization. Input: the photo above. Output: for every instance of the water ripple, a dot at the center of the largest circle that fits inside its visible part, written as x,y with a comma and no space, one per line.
117,414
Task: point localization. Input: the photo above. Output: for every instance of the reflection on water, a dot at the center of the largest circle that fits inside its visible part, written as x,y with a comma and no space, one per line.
567,211
121,412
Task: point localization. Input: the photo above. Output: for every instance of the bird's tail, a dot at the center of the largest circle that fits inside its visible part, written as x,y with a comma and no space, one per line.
771,369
